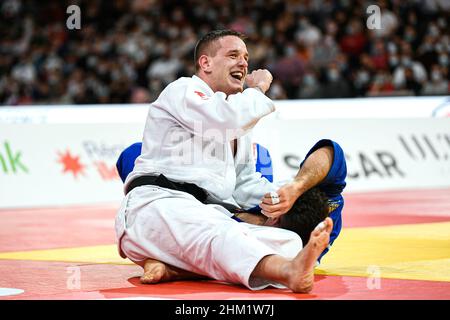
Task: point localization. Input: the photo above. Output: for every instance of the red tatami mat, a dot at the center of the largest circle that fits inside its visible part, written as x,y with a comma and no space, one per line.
51,228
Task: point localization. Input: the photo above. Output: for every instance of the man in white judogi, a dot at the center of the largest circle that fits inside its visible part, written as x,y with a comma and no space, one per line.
198,131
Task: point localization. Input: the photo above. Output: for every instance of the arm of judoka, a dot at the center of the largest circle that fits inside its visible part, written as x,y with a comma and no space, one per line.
314,170
222,118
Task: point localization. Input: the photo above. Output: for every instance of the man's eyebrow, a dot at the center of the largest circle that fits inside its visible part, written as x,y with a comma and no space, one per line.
237,51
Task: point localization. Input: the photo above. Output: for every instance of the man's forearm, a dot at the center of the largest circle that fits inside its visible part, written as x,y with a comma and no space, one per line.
314,169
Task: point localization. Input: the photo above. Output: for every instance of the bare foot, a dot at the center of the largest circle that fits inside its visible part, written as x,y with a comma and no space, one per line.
301,269
156,271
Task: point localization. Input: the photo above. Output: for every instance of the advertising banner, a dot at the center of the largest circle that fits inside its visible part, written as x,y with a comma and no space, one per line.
381,154
74,163
56,164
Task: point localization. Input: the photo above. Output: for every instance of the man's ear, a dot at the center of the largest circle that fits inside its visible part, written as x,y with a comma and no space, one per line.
272,221
205,63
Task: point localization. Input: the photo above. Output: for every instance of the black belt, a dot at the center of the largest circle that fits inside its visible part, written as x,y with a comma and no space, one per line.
163,182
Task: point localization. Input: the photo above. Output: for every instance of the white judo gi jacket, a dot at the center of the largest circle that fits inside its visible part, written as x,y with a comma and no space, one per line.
187,138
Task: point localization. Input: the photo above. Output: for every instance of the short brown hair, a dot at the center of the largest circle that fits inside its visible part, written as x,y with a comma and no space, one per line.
204,45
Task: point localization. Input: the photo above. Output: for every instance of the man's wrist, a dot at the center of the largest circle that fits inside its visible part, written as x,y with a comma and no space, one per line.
259,89
299,186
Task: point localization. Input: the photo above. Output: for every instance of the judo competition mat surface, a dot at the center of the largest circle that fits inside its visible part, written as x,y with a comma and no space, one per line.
393,245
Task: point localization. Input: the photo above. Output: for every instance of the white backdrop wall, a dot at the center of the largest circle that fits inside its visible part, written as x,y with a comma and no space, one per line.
373,108
381,154
66,155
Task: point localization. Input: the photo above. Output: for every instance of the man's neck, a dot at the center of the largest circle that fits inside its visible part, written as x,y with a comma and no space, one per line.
204,80
252,218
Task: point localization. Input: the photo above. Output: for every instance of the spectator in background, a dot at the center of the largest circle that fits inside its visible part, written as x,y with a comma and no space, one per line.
381,84
140,95
409,70
127,44
310,87
308,34
289,69
363,75
434,6
427,52
25,72
335,85
276,91
438,83
354,40
326,50
378,55
164,68
410,82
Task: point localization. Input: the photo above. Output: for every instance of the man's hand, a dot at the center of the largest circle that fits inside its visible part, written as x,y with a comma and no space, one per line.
287,195
314,170
260,78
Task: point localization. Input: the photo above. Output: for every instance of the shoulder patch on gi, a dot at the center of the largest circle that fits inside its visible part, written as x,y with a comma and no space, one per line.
201,95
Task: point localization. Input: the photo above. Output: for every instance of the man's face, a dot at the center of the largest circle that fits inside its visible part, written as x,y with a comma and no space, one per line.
228,67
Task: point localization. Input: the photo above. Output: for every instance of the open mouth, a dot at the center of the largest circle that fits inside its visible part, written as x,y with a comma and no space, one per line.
238,75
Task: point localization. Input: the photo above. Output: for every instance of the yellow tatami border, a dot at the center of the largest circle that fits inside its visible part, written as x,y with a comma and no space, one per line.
105,254
410,251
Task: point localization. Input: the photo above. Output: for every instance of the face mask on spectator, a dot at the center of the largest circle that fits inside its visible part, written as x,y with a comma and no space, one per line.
443,60
393,60
350,30
303,23
433,30
436,76
410,37
439,47
362,77
379,79
343,66
333,75
406,61
173,32
267,31
391,47
309,80
290,51
442,23
427,47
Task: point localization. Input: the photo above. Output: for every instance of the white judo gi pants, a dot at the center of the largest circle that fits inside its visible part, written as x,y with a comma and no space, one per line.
174,227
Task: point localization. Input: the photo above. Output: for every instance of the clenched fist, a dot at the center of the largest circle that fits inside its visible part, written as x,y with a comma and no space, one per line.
260,78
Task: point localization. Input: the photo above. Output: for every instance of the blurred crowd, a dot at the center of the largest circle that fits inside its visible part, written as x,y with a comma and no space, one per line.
129,50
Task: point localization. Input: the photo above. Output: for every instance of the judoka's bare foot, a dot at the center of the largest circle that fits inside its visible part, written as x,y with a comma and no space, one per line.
301,270
156,271
296,274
